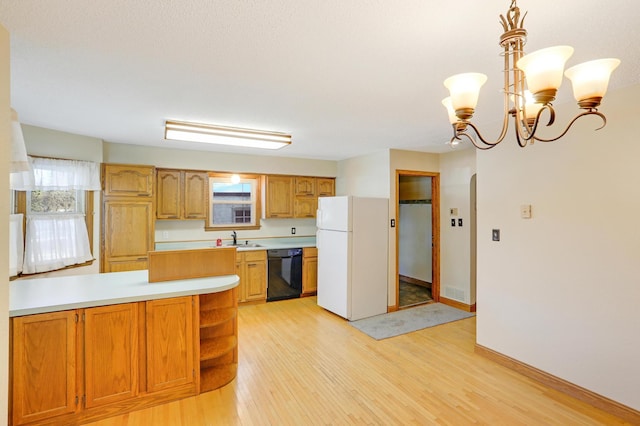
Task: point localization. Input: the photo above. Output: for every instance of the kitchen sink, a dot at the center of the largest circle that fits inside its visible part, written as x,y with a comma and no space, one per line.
243,245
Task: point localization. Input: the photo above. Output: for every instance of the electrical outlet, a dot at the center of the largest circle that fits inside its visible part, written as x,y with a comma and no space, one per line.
293,231
165,235
495,235
453,222
459,221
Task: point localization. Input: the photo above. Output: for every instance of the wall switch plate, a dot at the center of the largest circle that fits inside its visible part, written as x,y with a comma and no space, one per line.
460,221
393,223
293,231
165,235
495,235
525,211
453,222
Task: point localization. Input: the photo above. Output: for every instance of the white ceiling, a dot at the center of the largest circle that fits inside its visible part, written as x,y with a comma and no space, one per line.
344,77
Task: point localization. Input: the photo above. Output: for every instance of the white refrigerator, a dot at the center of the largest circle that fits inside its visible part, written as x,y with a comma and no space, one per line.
352,241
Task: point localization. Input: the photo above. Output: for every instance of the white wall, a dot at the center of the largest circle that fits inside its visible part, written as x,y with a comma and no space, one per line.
561,291
456,169
216,161
5,135
414,245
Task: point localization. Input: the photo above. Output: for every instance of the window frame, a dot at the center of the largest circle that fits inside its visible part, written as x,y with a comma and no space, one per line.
257,204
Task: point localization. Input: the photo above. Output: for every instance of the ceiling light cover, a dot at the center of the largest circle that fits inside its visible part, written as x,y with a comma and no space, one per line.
214,134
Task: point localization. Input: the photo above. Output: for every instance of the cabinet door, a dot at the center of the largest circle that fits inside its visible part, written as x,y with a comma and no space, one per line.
240,272
309,271
326,187
279,197
111,354
256,280
170,348
196,189
43,366
168,201
306,207
305,186
128,235
123,180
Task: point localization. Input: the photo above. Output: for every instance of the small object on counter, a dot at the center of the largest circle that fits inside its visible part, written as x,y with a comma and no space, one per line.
219,242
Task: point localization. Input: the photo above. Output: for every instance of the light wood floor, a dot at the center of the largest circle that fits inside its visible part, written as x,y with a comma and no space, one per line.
300,365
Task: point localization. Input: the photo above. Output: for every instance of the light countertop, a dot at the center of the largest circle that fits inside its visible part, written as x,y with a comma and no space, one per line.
41,295
264,244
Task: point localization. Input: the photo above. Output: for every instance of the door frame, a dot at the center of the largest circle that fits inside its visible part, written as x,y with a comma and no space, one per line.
435,231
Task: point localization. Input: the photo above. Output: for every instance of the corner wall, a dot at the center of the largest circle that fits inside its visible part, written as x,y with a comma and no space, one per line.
560,291
456,169
5,143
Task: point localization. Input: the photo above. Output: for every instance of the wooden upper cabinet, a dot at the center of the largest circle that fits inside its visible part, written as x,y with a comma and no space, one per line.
325,187
306,207
196,195
295,196
170,343
182,194
305,186
168,205
44,366
111,354
279,197
125,180
128,235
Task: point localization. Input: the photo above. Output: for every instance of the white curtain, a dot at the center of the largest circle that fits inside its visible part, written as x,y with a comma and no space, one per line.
55,241
49,174
16,244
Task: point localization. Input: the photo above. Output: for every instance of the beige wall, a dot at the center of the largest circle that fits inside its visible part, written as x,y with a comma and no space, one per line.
456,169
5,137
560,291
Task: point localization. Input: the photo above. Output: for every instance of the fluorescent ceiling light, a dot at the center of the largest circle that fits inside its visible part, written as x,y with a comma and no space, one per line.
207,133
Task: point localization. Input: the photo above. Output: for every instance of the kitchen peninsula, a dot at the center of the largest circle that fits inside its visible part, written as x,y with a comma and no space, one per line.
92,346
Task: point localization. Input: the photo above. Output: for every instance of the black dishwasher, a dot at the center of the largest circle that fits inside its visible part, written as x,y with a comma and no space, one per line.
285,274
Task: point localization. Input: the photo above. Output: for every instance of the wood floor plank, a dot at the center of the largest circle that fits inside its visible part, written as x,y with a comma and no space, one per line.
301,365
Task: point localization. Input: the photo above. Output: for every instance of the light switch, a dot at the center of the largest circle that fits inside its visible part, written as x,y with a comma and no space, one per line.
453,211
525,211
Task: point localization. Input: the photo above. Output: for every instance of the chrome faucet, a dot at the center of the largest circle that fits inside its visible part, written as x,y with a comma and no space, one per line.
235,238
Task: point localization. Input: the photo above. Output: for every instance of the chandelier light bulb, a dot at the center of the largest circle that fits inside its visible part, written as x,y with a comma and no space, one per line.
464,90
590,80
450,111
543,70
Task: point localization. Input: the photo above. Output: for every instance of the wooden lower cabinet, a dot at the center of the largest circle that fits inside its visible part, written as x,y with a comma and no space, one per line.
251,267
170,343
44,366
110,354
309,271
78,366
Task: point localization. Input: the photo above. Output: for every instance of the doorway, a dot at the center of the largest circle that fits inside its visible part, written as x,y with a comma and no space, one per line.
417,238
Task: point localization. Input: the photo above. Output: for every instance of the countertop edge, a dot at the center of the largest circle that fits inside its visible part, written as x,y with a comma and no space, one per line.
125,294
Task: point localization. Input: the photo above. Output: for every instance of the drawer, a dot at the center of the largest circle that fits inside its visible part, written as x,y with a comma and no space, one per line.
250,256
310,252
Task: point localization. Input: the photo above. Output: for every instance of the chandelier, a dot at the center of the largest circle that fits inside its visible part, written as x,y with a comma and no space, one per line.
542,70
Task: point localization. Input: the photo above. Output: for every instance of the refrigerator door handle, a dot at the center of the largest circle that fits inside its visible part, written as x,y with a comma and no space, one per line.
319,218
318,239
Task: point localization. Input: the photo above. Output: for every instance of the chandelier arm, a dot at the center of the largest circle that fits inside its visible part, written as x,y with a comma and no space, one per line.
479,135
531,129
472,140
591,112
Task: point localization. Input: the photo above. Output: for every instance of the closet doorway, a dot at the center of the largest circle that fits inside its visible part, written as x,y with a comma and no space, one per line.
417,238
